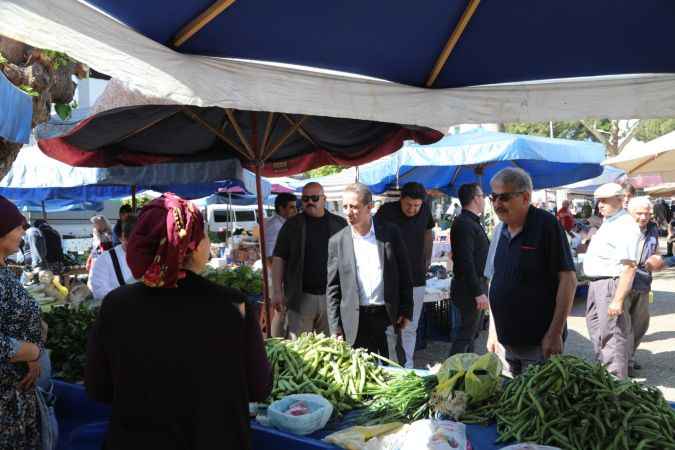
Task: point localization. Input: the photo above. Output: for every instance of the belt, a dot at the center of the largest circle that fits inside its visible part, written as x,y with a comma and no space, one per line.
600,278
371,308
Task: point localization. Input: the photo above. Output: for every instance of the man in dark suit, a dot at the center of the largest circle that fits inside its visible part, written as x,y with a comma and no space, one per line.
469,252
369,278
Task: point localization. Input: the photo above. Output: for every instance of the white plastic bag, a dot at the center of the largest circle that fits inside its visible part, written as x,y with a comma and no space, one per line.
319,413
424,435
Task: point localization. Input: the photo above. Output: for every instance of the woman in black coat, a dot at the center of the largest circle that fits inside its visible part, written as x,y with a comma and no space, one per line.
177,356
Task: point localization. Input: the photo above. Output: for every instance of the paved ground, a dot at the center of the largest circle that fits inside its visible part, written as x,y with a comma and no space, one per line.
656,354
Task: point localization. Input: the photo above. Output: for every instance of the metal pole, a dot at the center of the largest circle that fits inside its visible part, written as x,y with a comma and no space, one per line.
133,198
263,256
44,210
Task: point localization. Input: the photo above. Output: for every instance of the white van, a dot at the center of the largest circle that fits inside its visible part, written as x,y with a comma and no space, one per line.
233,216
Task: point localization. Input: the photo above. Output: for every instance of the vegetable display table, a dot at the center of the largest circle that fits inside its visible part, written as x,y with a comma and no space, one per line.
83,423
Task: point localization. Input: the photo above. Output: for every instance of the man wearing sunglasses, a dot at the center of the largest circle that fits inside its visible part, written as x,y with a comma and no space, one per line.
532,275
299,263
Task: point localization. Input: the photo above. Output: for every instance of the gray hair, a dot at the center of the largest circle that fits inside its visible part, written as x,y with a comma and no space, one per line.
362,192
636,203
514,177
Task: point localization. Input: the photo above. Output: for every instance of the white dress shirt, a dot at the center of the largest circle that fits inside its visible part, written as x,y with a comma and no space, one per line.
102,278
617,240
272,228
368,268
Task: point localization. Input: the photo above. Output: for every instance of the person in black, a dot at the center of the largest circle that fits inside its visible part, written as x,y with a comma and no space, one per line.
53,246
469,252
532,275
413,217
300,261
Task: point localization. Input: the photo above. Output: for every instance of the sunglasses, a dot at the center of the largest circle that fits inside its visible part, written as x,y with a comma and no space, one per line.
314,198
504,196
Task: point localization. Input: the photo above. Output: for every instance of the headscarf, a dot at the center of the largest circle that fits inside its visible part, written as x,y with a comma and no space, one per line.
10,216
168,228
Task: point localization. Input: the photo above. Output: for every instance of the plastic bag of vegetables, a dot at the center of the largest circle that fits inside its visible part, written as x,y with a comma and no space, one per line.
465,379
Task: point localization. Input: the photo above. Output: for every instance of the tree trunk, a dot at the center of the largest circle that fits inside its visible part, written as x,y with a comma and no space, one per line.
48,75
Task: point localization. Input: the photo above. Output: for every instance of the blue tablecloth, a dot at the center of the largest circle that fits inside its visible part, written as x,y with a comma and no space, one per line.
83,423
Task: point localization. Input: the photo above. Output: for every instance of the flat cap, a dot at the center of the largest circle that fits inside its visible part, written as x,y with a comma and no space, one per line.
608,190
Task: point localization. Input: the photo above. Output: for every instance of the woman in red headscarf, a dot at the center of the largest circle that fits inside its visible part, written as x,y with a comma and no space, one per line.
177,356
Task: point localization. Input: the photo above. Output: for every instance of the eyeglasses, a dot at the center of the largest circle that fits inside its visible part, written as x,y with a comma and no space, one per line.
504,196
314,198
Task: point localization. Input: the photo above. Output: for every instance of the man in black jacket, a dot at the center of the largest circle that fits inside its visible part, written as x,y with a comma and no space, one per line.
469,252
369,278
299,263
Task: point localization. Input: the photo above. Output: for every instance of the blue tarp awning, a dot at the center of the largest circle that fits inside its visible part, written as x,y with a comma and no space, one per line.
34,177
16,112
479,154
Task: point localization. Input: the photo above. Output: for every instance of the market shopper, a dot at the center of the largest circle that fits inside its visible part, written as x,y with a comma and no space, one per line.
101,238
629,192
110,270
532,275
35,248
285,207
470,248
20,344
641,210
565,217
53,246
369,280
413,217
299,263
610,263
125,212
178,357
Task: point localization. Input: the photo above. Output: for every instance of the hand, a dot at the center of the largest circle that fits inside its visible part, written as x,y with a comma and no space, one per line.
279,301
615,308
551,344
241,307
339,334
655,263
482,302
492,343
31,377
402,322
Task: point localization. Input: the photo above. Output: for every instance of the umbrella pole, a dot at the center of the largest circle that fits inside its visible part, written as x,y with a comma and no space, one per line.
133,198
44,210
263,256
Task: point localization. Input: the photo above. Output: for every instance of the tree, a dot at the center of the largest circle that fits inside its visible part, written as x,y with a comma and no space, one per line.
653,128
323,171
613,134
47,76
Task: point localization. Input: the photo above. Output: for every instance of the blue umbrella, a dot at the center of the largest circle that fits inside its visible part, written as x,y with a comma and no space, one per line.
475,156
469,42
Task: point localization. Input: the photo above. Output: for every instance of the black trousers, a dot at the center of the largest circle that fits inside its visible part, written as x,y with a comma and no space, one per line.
373,321
471,319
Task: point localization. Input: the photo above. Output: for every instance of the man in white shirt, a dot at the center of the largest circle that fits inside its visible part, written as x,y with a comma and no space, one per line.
369,284
610,263
285,206
110,269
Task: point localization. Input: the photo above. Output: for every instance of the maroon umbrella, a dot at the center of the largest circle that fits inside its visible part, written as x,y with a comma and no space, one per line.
271,144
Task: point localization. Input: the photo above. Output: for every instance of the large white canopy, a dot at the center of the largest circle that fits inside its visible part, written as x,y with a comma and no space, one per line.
656,157
156,71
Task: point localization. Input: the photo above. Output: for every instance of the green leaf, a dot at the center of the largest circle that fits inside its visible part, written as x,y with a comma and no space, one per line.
3,60
63,110
29,90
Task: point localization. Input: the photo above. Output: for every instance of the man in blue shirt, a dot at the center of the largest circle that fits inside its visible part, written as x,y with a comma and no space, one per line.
533,278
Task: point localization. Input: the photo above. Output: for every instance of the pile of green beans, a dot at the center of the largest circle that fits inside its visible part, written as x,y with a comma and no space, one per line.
316,364
572,404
